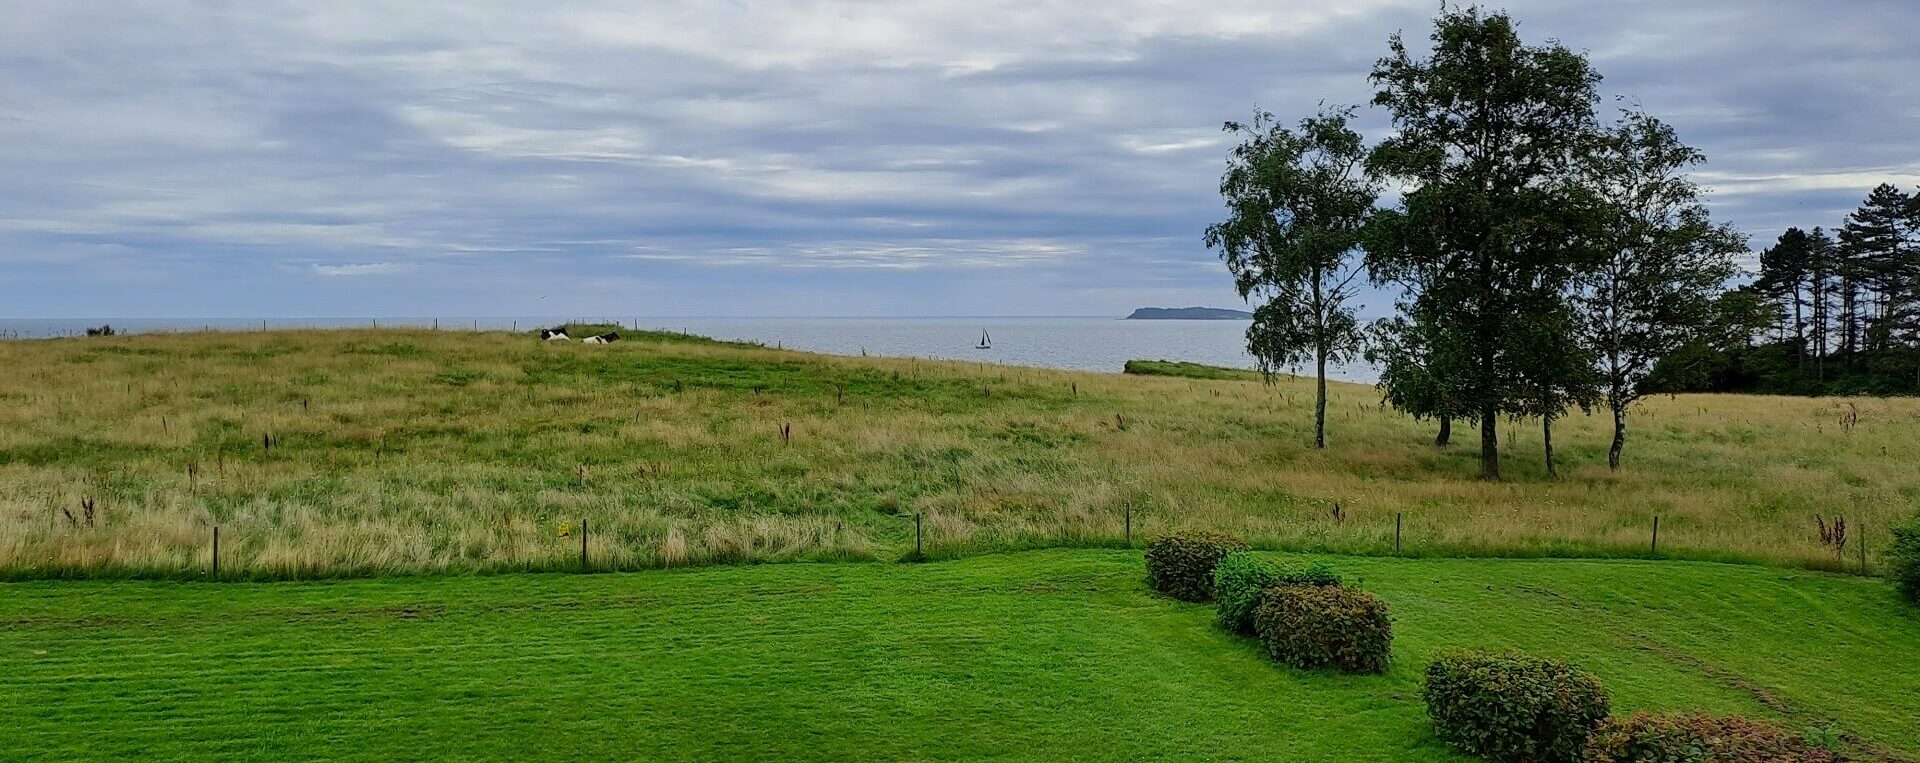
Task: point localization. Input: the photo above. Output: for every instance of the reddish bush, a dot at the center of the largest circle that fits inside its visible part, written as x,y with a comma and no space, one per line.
1697,738
1181,565
1314,626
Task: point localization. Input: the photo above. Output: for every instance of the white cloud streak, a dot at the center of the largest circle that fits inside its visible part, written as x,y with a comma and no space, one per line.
706,149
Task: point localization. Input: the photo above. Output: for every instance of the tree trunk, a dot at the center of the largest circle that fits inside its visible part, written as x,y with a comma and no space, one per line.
1445,437
1799,335
1546,440
1320,398
1489,443
1619,437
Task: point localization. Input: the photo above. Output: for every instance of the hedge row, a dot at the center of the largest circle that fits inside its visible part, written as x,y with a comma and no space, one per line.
1520,709
1306,617
1697,738
1502,706
1241,576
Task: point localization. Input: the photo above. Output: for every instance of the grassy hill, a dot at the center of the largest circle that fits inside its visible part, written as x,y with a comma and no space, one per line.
1049,655
359,452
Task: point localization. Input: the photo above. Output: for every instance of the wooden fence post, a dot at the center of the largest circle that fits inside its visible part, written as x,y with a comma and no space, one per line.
1396,532
216,551
1654,549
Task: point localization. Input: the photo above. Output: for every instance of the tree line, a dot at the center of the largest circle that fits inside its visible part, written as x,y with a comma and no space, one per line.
1546,259
1833,311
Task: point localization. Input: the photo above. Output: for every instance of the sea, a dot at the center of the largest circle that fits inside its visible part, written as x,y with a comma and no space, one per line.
1082,343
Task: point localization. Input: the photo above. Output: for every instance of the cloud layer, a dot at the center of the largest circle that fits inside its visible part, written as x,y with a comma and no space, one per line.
346,158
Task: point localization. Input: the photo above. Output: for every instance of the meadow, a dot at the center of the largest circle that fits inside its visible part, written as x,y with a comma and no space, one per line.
324,453
1043,655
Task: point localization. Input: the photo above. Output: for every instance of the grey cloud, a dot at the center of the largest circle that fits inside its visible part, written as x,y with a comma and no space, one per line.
1055,158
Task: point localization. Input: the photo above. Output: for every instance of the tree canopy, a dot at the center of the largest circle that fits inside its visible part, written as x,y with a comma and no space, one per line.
1494,223
1298,202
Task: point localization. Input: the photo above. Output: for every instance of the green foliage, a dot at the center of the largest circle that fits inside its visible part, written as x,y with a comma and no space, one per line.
1315,626
1699,738
1514,708
1843,317
1665,265
1314,574
1187,370
1237,582
1181,565
1904,559
1298,203
1490,138
1402,348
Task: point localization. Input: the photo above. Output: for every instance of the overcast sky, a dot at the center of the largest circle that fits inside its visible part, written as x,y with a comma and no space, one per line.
768,158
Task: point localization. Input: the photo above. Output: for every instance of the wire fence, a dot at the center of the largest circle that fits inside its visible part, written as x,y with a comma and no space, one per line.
1850,552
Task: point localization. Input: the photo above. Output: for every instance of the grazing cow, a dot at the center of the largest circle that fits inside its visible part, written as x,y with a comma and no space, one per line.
555,335
607,338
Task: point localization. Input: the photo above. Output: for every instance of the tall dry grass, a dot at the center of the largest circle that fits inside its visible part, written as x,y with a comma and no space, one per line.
399,451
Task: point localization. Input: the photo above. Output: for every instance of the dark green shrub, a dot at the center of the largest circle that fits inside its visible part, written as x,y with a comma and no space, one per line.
1181,565
1242,575
1317,573
1314,626
1905,559
1511,707
1695,738
1237,582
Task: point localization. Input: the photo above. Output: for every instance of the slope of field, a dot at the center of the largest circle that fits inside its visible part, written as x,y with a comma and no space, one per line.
1045,655
356,452
1189,370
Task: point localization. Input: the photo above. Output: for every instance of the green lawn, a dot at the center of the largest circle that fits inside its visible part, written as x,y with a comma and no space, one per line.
1046,655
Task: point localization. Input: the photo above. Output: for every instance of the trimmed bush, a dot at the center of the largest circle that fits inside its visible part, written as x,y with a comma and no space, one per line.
1237,582
1181,565
1696,738
1511,707
1317,573
1905,559
1242,575
1314,626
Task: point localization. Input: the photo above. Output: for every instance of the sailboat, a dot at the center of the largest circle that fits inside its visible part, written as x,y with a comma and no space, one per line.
986,342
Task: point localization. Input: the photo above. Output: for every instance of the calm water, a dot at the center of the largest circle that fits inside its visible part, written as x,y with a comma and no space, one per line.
1086,344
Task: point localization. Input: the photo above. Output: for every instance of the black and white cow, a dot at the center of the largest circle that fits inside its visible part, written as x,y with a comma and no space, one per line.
555,335
607,338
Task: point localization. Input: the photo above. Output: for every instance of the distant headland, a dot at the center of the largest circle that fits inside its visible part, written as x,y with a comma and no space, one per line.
1188,314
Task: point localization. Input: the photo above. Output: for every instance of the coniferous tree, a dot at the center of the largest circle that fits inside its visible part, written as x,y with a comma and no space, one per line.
1903,281
1784,278
1849,318
1822,282
1873,239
